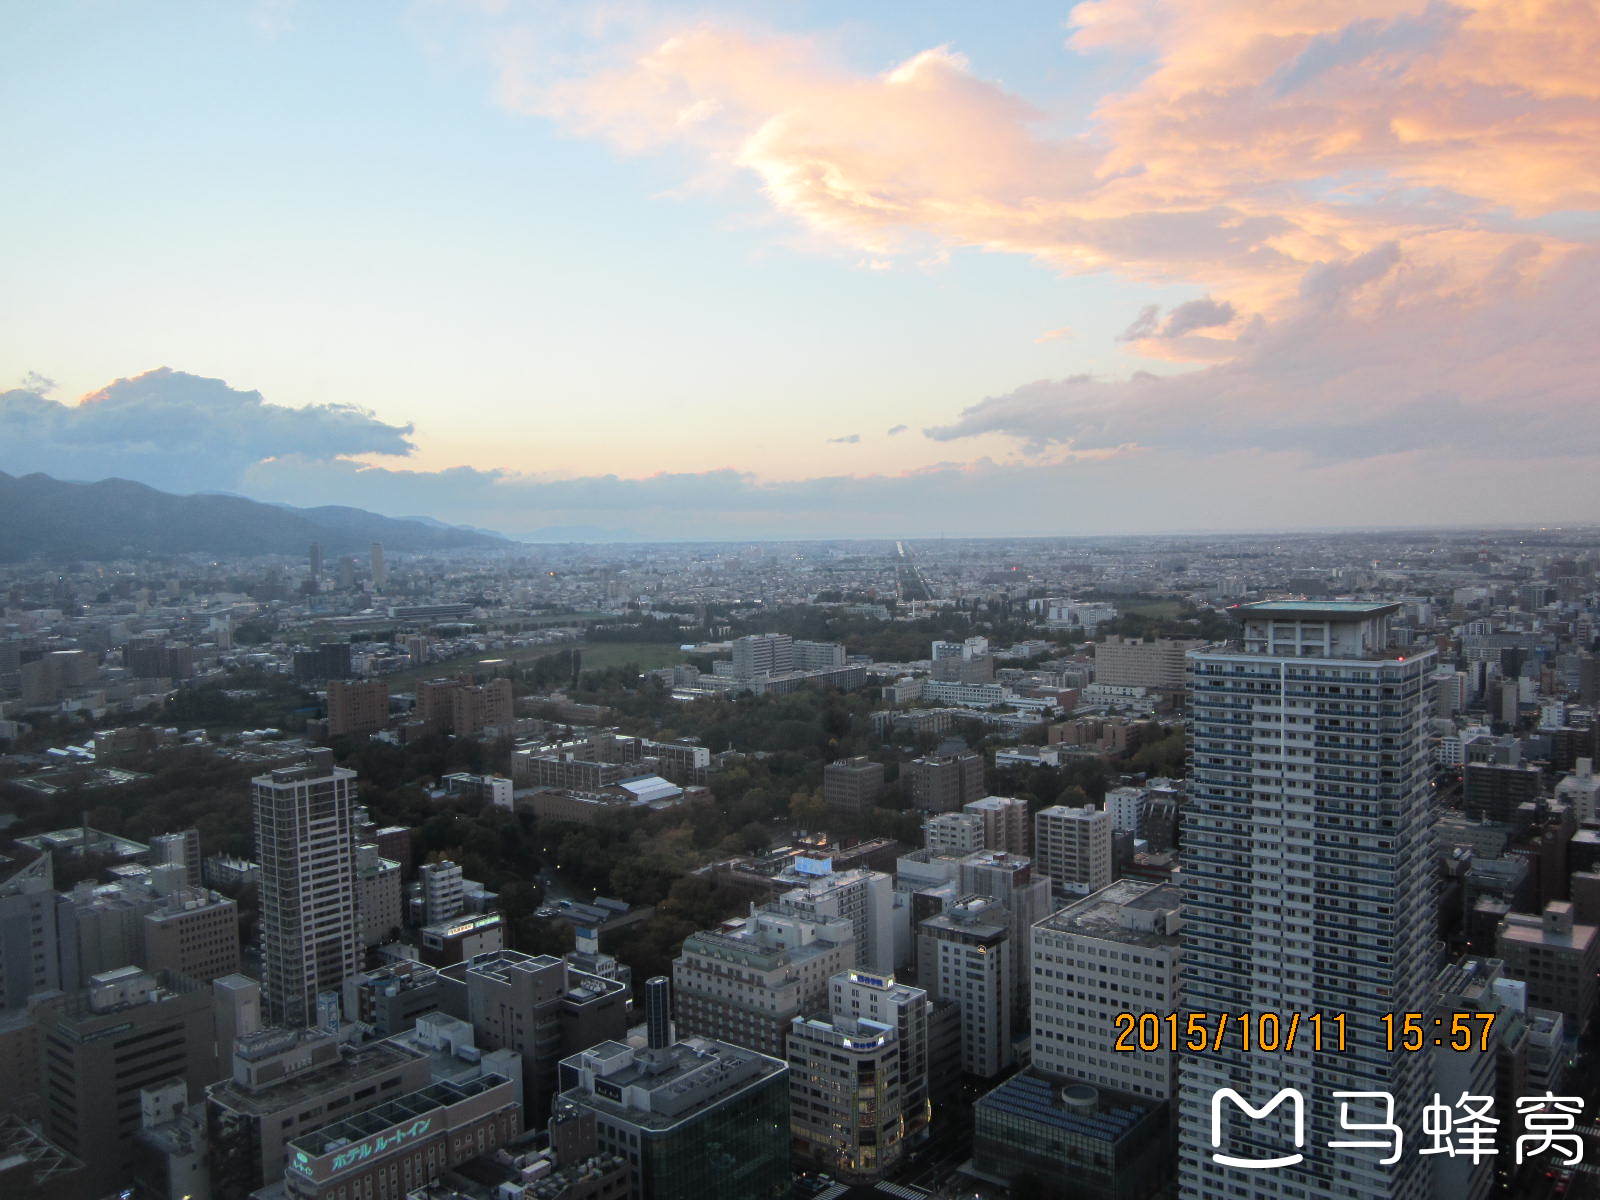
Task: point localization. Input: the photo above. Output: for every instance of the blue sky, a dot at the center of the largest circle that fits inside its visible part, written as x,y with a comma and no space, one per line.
335,204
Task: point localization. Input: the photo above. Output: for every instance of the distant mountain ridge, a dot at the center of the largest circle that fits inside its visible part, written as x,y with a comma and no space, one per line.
54,520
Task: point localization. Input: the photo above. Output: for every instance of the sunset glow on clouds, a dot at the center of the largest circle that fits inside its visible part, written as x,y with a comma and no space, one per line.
1378,221
1268,139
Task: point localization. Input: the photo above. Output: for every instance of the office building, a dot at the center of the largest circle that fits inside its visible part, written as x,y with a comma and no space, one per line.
1073,847
965,954
56,675
389,999
816,656
1556,957
1006,825
305,846
1496,1065
357,706
907,1010
695,1118
845,1100
170,1159
315,559
330,660
1160,665
179,849
538,1006
126,1031
943,783
1126,806
151,920
745,985
852,786
460,938
1308,888
29,958
858,1076
287,1082
1493,791
763,654
380,572
193,932
1116,951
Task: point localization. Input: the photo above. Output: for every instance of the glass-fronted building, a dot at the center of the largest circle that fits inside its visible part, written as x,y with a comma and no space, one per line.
695,1119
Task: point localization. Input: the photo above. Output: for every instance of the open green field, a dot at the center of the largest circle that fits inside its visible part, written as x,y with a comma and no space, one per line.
648,655
401,680
596,656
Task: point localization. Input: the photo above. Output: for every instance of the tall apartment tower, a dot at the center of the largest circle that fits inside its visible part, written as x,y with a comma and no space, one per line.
1308,888
315,558
305,843
380,573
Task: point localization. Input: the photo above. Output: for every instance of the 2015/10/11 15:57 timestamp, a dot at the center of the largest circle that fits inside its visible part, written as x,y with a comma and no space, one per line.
1270,1032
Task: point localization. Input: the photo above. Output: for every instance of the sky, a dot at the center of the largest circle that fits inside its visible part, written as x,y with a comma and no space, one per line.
796,269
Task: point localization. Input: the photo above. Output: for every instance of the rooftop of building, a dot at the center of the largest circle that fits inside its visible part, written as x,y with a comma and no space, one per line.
80,839
679,1081
505,966
1098,1113
1116,913
976,918
352,1129
1317,610
354,1062
741,943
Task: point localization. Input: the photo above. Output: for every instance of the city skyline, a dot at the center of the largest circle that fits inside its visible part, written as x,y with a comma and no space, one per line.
808,270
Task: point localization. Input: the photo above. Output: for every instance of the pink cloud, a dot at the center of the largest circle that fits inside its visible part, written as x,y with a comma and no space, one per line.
1266,139
1360,366
1370,191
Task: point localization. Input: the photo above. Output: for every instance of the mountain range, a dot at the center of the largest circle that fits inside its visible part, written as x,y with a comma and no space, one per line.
53,519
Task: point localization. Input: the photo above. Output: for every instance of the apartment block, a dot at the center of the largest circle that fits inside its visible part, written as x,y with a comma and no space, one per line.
943,783
852,786
1006,825
357,707
1073,847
